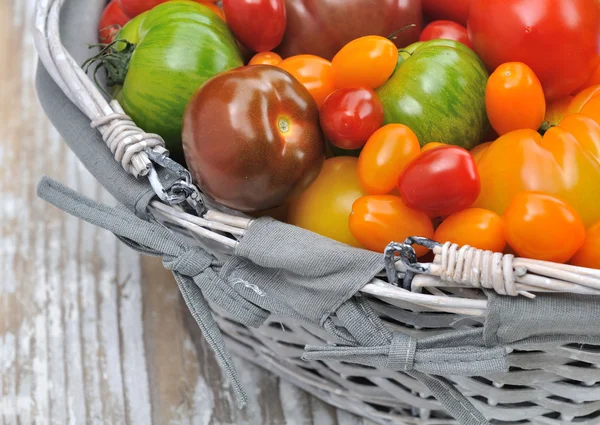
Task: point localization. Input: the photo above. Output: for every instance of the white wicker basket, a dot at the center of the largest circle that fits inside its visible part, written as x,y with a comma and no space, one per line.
547,384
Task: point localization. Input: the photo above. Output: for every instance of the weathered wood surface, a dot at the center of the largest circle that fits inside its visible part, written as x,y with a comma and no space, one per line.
90,332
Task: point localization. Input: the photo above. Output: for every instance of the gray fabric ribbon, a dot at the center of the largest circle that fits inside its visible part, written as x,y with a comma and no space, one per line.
195,271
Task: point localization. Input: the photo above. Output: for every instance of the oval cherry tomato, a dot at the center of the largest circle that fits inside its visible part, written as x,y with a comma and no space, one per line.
325,206
384,157
350,116
432,145
314,72
479,150
454,10
258,24
589,254
440,182
475,227
376,221
365,62
265,58
514,99
111,21
557,110
543,227
558,39
447,30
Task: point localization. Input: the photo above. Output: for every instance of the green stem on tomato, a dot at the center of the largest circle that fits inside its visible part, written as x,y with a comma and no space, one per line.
393,35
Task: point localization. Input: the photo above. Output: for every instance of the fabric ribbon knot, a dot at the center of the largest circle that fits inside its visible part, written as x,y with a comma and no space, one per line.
190,262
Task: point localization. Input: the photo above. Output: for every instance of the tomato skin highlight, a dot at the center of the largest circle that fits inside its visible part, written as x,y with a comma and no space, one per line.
589,254
475,227
447,30
376,221
543,227
440,181
514,99
315,73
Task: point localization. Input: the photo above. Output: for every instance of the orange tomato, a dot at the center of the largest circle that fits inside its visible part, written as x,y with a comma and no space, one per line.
543,227
384,157
432,145
479,150
595,78
325,206
587,103
475,227
514,98
589,254
376,221
365,62
265,58
557,110
315,73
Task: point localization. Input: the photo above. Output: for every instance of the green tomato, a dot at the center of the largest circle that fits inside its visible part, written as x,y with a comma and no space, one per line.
173,49
438,91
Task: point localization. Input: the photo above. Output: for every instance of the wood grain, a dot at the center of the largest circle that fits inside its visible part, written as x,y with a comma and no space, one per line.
90,332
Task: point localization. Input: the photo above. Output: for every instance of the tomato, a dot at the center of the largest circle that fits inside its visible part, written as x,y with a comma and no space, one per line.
323,27
440,181
378,220
454,10
595,78
258,24
216,9
365,62
265,58
587,103
384,157
325,206
557,110
514,98
447,30
543,227
479,150
558,39
133,8
475,227
247,160
432,145
439,92
589,254
113,18
314,72
350,116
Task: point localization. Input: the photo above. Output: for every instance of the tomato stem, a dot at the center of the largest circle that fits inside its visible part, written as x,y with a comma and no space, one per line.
113,59
393,35
545,127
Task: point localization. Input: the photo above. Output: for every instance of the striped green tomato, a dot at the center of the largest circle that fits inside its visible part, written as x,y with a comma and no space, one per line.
438,91
177,46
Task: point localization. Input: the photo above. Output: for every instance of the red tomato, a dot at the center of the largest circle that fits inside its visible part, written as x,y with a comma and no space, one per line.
113,18
132,8
384,157
258,24
543,227
589,254
447,30
453,10
376,221
475,227
315,73
265,58
350,116
514,99
440,181
558,39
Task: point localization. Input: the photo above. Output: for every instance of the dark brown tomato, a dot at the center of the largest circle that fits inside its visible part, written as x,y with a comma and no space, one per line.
252,139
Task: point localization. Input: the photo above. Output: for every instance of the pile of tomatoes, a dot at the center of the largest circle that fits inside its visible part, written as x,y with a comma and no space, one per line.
481,128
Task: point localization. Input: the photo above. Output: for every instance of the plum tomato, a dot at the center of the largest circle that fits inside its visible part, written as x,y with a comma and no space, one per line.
265,58
589,254
315,73
476,227
446,30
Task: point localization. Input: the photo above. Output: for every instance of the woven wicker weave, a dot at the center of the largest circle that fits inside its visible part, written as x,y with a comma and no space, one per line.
546,384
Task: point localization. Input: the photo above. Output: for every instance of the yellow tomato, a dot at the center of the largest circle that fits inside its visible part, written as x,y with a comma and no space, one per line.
325,207
479,150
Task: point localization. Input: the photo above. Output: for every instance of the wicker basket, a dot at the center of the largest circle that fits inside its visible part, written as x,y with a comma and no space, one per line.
548,383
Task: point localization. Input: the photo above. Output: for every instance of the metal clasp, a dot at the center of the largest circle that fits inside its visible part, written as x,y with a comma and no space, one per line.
408,257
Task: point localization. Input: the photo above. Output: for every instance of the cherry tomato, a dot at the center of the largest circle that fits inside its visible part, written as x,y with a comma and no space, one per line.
432,145
475,227
258,24
454,10
557,110
514,99
479,150
350,116
378,220
265,58
543,227
447,30
440,182
558,39
384,157
314,72
113,18
589,254
365,62
325,206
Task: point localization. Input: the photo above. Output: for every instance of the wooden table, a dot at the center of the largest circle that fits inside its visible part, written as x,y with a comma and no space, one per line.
91,332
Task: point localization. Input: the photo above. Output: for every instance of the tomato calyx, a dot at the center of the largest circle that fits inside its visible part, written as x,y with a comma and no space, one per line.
283,124
546,125
114,58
